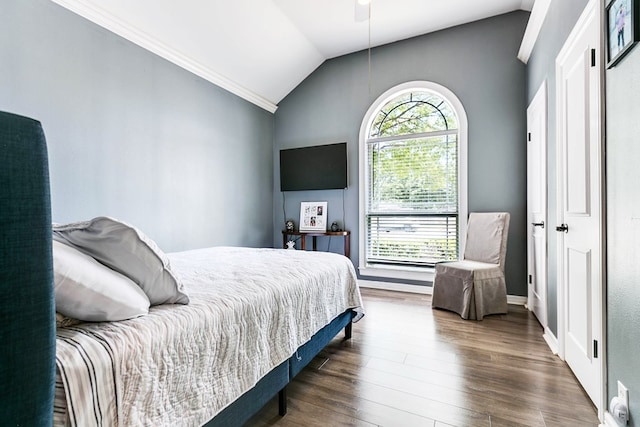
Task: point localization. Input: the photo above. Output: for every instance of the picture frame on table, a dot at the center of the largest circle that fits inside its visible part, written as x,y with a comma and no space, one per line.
622,31
313,216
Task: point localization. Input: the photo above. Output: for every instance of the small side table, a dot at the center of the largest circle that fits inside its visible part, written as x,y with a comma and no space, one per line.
314,234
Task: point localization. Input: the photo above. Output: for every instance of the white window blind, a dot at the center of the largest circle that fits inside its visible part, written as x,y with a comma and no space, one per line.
412,183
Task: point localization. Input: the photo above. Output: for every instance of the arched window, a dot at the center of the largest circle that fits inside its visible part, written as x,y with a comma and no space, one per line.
412,181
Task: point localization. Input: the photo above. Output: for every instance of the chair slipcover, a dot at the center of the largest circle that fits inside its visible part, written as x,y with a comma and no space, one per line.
475,286
27,309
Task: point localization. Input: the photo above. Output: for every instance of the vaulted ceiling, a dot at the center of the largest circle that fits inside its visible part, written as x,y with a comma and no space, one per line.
262,49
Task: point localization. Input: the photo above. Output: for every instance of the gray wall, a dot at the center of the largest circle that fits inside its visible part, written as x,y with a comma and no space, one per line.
478,63
133,136
623,228
561,18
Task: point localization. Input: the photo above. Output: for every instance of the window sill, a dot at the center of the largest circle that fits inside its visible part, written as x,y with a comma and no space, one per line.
395,272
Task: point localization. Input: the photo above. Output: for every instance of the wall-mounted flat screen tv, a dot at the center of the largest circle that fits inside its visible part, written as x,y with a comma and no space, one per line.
320,167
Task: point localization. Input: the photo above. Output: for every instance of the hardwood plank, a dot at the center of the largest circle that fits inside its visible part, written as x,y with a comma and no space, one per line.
555,420
340,392
500,422
409,365
306,414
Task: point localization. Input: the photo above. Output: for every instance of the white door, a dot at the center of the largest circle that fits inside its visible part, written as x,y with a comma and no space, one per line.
537,204
579,227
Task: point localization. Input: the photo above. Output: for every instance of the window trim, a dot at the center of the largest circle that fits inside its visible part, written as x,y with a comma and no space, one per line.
400,272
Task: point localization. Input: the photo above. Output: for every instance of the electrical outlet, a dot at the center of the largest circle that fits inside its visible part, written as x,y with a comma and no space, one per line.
623,394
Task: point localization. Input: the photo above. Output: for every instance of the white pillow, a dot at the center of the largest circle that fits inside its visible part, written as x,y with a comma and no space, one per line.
127,250
87,290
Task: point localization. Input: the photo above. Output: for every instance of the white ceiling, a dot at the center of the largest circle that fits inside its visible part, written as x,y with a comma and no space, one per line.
262,49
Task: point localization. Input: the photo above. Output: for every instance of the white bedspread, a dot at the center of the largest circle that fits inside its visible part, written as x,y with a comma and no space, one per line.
180,365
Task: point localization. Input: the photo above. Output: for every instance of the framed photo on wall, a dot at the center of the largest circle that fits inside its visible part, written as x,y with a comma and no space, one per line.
622,29
313,216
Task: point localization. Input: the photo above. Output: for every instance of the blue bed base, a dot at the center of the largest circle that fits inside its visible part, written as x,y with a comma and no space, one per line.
27,310
247,405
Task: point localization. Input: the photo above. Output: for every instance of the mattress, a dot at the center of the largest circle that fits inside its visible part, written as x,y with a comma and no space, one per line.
250,310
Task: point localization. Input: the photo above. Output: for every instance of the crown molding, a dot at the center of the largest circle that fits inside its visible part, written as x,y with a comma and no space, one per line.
144,40
536,19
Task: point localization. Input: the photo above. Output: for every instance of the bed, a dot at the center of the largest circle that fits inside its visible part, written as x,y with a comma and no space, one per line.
240,324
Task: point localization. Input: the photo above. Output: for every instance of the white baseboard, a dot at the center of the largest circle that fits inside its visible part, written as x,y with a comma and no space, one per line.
609,421
551,340
425,290
400,287
516,300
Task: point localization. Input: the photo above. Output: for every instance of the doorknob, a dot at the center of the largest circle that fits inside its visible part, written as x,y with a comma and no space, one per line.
563,227
538,224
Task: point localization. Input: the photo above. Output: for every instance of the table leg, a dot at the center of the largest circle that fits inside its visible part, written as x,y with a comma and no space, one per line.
346,246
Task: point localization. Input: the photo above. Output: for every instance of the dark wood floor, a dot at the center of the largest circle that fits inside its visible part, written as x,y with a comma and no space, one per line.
409,365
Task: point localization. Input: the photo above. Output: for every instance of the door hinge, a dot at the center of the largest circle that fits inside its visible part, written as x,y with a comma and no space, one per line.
530,279
595,349
593,57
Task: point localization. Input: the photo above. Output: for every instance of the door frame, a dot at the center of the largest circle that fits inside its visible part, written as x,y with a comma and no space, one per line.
592,7
539,102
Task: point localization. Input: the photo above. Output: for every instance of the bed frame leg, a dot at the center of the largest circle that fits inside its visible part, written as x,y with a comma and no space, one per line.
282,402
347,331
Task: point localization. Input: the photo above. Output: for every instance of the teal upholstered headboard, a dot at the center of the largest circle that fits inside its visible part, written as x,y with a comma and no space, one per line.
27,306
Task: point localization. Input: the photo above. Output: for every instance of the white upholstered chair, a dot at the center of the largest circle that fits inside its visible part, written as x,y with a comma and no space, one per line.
475,286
